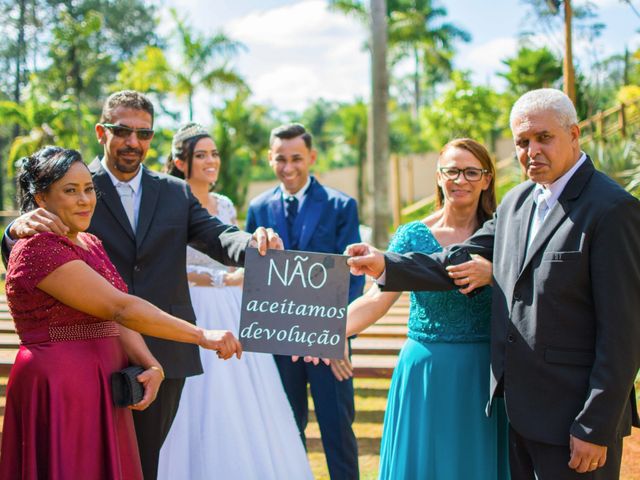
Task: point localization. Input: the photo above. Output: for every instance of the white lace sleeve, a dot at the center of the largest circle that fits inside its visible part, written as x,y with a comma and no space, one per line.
198,262
226,210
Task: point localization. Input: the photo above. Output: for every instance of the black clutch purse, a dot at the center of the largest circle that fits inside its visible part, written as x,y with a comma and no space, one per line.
125,389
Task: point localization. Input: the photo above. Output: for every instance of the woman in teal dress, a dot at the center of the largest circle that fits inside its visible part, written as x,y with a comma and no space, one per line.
434,425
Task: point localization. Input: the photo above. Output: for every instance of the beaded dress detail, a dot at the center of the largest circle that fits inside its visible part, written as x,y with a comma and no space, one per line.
441,316
440,386
38,316
59,420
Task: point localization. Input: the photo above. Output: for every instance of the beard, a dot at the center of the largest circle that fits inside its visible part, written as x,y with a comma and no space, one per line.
130,164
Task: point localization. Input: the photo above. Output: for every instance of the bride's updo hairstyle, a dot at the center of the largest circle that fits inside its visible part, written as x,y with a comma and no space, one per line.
40,170
182,147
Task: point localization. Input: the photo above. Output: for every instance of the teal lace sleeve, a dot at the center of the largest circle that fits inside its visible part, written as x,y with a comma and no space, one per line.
441,316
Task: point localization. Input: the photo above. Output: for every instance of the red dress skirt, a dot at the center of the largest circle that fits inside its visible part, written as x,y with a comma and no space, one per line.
60,422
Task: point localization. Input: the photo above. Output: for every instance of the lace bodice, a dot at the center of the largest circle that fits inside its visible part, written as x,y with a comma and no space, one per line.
198,261
38,316
441,316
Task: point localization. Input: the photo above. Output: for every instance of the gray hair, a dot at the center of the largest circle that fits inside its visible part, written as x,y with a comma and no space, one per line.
543,100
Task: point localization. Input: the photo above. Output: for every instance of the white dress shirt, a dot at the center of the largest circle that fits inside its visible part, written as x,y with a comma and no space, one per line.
550,194
135,183
300,195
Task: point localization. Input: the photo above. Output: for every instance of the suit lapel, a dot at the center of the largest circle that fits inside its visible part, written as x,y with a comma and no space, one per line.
520,230
108,195
560,210
150,194
554,218
309,215
275,210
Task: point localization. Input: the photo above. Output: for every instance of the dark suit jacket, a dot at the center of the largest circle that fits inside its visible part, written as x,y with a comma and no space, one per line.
153,261
327,221
565,325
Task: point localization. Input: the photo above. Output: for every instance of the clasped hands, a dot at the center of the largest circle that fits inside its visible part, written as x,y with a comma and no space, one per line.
222,341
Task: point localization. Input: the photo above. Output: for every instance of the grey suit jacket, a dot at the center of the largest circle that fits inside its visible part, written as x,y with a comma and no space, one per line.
153,261
565,345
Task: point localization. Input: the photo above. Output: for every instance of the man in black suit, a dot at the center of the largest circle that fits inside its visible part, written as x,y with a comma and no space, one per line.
145,221
565,330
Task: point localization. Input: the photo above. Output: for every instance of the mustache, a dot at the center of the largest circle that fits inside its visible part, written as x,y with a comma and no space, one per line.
535,159
129,150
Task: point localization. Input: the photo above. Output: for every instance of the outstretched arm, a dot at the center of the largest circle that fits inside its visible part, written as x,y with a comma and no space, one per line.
368,309
416,271
225,243
77,285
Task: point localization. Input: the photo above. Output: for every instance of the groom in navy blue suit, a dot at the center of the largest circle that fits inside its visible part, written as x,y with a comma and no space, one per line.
311,217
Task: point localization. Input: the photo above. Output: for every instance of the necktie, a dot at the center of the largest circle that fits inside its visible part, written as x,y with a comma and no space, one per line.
292,213
538,216
126,197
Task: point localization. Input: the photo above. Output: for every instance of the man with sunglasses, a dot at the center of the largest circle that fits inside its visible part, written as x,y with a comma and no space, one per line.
145,220
565,333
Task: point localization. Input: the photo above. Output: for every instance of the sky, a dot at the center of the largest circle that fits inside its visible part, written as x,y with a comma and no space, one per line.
300,50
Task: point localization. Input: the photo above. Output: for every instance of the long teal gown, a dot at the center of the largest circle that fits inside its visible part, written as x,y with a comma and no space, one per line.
435,427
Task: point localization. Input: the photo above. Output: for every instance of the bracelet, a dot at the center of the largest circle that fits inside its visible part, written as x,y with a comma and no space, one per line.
217,278
157,369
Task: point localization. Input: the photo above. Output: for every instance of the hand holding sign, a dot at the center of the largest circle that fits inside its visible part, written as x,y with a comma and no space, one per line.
365,260
294,303
265,238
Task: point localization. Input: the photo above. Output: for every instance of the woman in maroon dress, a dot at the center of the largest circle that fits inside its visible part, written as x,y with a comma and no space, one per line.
76,326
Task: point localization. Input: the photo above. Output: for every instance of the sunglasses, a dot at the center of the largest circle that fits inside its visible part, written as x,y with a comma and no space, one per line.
122,131
471,174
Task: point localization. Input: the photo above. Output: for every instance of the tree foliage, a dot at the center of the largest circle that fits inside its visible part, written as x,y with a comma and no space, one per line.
204,62
418,33
241,132
530,69
463,110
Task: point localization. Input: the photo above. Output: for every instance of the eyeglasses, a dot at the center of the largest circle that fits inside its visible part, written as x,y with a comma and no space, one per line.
123,131
471,174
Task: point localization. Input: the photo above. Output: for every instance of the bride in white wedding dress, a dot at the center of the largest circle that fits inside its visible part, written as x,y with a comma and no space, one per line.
234,421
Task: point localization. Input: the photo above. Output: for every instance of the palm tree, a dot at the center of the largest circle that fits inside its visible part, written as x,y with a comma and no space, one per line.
44,121
414,32
242,136
530,69
377,17
204,62
379,124
349,127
